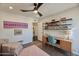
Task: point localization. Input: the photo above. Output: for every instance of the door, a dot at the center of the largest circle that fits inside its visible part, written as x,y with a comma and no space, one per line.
35,31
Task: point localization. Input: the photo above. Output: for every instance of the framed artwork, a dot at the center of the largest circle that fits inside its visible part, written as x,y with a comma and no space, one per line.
10,24
17,32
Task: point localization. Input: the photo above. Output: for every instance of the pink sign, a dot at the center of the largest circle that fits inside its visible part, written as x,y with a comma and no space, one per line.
10,24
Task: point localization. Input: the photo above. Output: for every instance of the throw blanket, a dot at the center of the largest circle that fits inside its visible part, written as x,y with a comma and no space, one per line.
33,51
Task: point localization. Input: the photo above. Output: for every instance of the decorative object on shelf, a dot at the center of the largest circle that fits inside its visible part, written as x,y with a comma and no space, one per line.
64,19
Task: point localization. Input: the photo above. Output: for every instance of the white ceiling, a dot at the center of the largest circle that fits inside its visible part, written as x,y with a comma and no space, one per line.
46,9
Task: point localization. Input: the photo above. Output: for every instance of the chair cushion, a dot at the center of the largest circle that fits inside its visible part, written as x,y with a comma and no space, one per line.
52,40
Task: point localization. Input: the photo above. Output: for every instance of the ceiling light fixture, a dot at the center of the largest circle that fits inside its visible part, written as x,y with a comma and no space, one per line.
35,11
10,7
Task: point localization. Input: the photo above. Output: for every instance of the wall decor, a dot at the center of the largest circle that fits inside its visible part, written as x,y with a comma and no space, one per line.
17,32
10,24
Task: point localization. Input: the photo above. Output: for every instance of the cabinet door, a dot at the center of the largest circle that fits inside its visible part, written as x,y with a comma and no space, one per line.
45,40
65,45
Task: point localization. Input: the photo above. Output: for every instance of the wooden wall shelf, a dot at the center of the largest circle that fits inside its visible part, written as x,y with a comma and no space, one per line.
58,25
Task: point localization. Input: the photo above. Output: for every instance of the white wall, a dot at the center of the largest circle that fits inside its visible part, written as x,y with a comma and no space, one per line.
27,33
74,14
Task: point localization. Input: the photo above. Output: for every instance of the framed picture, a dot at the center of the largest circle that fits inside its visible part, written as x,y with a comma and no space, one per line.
17,32
10,25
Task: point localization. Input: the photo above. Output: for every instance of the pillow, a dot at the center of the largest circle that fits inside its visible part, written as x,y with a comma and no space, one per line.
4,41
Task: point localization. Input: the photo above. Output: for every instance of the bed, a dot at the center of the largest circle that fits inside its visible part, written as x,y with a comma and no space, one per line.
33,51
9,48
17,49
13,47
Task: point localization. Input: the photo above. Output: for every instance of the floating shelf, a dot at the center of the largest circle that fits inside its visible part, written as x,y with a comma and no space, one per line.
66,19
58,25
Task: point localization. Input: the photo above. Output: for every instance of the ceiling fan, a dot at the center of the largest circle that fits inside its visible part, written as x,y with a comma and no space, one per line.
35,10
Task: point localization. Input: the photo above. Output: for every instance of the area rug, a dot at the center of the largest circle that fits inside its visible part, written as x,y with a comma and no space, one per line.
33,51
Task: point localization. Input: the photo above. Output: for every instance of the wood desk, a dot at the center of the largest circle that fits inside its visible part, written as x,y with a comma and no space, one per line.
62,44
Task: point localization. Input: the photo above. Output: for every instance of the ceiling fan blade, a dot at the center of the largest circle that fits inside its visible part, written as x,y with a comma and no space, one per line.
35,8
40,14
26,10
38,6
35,4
